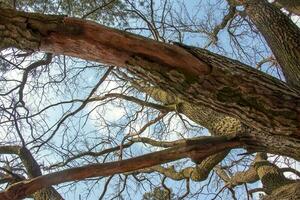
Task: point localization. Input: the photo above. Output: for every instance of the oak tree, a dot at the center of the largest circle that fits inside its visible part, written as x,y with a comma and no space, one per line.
61,75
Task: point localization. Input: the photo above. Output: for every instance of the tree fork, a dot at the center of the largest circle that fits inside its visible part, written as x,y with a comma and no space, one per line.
224,125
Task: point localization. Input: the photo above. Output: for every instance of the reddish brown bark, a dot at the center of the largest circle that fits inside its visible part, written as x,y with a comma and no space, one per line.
225,85
103,44
33,170
195,149
200,77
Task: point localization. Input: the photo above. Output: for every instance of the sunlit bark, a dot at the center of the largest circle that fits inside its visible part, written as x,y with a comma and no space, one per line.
224,95
33,170
281,34
195,149
196,75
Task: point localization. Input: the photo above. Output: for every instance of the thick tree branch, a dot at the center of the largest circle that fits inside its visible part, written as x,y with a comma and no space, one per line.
270,175
33,170
289,191
239,178
282,35
202,78
26,157
292,6
200,148
198,173
220,124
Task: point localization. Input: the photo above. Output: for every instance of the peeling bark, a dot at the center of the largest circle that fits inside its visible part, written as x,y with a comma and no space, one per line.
201,148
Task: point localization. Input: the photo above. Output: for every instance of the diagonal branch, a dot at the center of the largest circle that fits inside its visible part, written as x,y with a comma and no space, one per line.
202,148
33,170
195,75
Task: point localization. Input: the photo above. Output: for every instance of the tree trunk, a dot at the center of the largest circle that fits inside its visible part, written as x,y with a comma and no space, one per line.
292,6
281,34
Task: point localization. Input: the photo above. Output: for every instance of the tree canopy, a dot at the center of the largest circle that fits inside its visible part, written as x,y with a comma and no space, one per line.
149,99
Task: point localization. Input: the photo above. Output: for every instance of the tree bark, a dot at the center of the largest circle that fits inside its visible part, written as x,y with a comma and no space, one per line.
281,34
268,107
193,148
196,75
33,170
270,174
292,6
261,169
220,124
287,192
198,173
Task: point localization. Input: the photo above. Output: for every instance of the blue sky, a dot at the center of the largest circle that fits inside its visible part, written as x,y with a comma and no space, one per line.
115,113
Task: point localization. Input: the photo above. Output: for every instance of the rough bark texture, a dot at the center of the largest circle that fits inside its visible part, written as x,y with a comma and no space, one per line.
198,173
239,178
194,148
288,192
216,122
33,170
281,34
269,174
292,6
88,40
261,102
258,105
196,75
220,124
